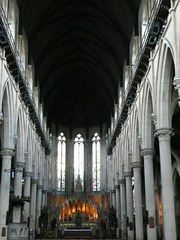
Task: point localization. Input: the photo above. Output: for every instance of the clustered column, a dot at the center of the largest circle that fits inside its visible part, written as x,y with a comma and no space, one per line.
147,154
113,194
129,204
164,136
27,188
39,202
33,207
5,188
18,190
123,207
138,200
117,208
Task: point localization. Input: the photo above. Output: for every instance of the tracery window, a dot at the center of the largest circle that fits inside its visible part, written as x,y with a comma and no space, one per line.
78,163
61,162
96,162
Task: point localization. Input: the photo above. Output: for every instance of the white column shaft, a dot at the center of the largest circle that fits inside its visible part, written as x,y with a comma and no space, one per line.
118,205
167,188
138,204
27,188
129,203
17,193
33,205
5,190
150,197
113,199
123,207
110,199
39,203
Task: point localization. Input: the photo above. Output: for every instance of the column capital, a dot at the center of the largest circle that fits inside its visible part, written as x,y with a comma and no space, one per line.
40,186
28,174
34,181
117,186
15,138
130,155
147,151
154,119
122,181
8,152
19,166
128,174
136,165
1,117
164,134
176,82
140,140
25,155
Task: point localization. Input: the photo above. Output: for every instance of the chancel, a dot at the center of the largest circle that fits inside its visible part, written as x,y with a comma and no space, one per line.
90,119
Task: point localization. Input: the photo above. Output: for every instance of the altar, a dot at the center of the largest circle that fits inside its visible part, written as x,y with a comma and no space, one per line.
70,230
77,216
77,233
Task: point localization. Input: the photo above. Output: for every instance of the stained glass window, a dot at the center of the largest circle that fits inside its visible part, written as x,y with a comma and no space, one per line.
96,162
61,162
78,163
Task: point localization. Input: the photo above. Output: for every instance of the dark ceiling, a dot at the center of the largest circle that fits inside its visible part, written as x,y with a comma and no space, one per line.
78,48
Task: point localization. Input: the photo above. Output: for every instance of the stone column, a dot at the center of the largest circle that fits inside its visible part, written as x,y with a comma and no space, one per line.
5,188
147,154
110,198
129,205
33,208
27,188
18,190
113,194
123,208
39,204
169,223
44,198
138,200
118,208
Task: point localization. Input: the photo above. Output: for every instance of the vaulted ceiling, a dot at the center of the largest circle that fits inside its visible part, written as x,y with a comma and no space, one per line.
79,48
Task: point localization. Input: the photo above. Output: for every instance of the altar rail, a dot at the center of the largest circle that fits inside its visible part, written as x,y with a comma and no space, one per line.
18,231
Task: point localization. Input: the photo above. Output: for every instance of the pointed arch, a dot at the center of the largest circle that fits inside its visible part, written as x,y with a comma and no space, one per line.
164,78
61,162
146,114
135,134
20,134
29,149
78,163
96,163
8,115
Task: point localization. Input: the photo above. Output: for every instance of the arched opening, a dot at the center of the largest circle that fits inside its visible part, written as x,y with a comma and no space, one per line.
165,101
78,163
96,162
6,158
61,162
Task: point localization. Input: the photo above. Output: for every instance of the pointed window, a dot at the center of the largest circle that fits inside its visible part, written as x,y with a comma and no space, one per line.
78,163
61,162
96,162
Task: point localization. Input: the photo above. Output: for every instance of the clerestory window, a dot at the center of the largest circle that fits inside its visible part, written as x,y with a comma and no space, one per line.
78,163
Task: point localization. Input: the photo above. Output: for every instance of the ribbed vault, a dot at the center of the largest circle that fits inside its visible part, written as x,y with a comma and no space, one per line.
79,48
